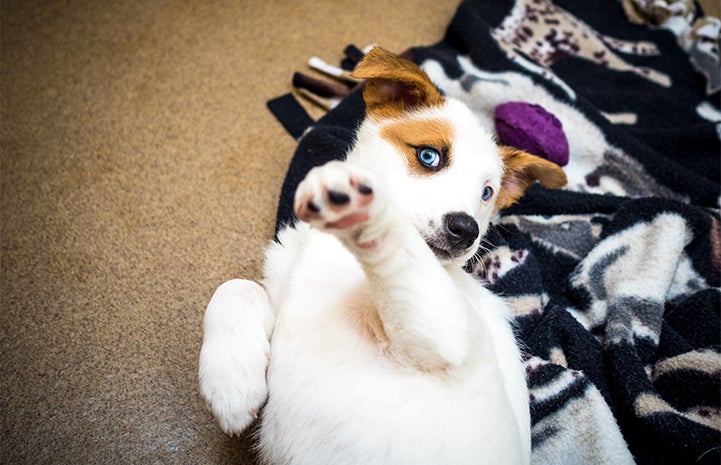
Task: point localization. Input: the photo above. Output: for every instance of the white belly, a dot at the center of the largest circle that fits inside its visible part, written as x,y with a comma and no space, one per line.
336,397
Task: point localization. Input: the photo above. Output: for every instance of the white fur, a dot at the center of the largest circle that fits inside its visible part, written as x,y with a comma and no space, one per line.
441,383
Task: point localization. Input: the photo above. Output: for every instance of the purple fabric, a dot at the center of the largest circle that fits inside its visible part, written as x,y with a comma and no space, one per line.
533,129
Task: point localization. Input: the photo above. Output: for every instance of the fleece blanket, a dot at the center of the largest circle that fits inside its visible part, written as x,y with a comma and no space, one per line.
614,280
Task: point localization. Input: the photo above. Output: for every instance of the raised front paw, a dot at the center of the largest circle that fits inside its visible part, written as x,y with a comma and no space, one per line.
339,198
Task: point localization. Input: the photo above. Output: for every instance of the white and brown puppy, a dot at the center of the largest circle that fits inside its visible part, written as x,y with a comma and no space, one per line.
367,342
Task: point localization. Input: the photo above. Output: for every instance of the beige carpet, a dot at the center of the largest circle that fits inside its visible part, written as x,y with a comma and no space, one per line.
140,169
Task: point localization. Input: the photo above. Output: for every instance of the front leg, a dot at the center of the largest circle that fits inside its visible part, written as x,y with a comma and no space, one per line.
425,317
341,199
234,356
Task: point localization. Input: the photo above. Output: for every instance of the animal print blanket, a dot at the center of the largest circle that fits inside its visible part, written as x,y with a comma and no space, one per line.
615,280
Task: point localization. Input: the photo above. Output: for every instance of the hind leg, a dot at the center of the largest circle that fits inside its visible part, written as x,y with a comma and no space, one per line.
233,359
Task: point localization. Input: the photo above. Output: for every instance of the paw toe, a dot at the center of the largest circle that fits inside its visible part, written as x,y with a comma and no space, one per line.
313,207
337,197
364,189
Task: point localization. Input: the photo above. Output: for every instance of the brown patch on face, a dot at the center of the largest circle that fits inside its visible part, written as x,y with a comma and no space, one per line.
521,170
394,85
407,136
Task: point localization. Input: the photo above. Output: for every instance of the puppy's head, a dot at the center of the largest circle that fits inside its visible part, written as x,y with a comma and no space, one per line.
436,161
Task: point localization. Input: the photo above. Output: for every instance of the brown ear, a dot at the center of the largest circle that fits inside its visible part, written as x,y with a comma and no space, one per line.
394,84
523,169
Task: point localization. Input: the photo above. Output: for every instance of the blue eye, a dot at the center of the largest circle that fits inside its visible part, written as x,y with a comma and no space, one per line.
429,157
487,193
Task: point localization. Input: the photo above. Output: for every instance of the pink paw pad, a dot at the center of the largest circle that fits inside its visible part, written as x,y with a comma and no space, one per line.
336,208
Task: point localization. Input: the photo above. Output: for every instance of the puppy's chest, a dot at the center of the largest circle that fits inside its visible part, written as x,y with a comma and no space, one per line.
334,383
329,308
328,324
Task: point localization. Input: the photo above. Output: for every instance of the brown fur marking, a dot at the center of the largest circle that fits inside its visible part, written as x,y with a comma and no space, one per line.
364,316
394,85
407,135
523,169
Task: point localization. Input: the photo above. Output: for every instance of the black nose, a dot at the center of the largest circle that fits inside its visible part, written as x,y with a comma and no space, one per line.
461,230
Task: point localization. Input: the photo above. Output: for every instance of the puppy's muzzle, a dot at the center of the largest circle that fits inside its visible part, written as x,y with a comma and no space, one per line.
461,230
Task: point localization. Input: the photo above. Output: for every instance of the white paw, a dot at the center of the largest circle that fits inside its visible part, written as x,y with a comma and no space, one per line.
234,355
339,198
233,395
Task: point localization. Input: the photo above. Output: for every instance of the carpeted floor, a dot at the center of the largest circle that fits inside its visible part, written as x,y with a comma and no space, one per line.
140,169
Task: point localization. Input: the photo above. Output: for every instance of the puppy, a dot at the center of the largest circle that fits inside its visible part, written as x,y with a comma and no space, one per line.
367,342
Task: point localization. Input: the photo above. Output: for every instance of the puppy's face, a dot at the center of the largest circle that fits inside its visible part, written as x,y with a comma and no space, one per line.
441,169
436,161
